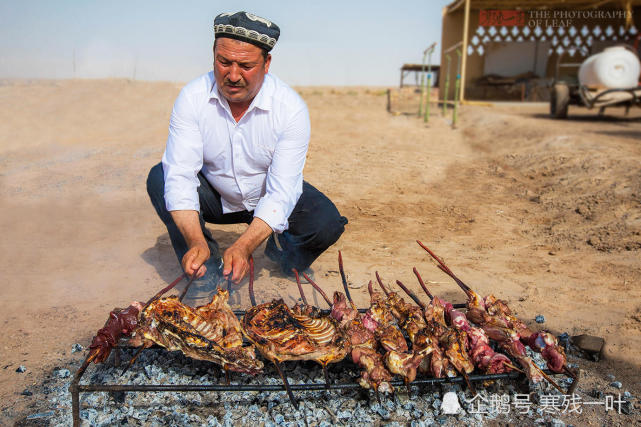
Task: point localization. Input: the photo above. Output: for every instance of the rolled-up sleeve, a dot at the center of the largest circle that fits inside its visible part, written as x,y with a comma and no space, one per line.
183,157
284,182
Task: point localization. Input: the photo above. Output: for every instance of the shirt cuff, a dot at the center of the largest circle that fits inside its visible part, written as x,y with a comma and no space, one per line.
272,213
178,202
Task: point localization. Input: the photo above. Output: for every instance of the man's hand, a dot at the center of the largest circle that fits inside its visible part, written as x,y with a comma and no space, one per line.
236,260
189,226
236,257
194,260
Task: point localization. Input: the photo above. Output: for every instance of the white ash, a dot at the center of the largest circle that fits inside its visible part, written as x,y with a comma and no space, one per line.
421,406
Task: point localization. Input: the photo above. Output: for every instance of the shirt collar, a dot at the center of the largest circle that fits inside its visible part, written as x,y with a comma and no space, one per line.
262,100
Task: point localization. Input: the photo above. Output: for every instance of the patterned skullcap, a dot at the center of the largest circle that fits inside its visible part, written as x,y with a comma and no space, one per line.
247,27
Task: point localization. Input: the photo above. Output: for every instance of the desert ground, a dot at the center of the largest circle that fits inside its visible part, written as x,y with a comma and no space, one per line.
545,214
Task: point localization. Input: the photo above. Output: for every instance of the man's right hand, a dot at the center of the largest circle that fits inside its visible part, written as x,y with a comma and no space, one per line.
194,260
189,225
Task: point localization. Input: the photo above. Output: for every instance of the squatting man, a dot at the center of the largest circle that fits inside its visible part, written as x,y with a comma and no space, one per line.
238,138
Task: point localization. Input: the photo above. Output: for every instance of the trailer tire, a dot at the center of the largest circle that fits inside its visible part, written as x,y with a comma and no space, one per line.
559,101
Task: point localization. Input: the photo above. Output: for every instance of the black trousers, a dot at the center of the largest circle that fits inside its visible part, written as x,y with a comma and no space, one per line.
314,225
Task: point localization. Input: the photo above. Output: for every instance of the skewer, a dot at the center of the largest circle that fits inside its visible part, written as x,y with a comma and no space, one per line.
326,374
550,380
300,288
252,298
420,281
380,283
320,291
569,372
184,292
342,271
445,268
229,283
286,384
131,362
168,287
468,382
227,377
411,295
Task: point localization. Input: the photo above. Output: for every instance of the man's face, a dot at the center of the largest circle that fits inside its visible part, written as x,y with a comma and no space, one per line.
239,69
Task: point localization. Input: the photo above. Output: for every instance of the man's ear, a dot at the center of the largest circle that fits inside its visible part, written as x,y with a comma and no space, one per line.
267,62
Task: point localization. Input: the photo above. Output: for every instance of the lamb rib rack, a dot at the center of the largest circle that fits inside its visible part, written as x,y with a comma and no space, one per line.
210,332
284,334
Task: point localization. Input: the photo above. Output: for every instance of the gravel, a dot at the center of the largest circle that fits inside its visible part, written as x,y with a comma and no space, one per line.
539,318
21,369
422,406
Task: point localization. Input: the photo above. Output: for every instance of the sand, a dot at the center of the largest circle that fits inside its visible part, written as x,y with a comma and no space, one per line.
545,214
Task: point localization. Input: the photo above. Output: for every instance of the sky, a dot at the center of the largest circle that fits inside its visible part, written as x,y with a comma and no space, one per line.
321,43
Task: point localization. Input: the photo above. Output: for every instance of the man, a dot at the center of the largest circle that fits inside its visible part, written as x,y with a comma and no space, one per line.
237,143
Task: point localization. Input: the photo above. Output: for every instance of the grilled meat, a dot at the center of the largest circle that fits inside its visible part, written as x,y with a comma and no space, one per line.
410,319
364,348
282,334
210,332
542,342
484,357
452,340
120,323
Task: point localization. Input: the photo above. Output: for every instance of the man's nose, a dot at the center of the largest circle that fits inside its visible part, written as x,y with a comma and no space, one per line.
234,73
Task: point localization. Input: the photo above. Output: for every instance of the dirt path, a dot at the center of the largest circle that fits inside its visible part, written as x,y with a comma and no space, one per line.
545,214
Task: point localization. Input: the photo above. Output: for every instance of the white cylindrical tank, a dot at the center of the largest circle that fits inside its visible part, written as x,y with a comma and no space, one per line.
615,67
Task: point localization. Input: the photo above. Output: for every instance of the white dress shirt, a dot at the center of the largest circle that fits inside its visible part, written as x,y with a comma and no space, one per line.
255,164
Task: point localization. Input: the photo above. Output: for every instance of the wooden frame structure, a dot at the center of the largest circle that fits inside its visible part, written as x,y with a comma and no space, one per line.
461,28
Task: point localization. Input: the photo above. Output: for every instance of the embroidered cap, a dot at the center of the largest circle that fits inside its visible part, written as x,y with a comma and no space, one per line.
247,27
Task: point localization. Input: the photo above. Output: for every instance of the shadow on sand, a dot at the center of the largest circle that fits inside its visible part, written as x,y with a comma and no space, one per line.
163,258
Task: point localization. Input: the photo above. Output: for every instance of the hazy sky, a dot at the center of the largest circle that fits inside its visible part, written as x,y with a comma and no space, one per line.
322,42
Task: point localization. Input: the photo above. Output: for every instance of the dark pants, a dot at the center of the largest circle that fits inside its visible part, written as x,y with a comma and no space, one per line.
314,225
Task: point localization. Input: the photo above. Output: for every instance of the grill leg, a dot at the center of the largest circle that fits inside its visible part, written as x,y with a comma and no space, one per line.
286,384
75,405
326,374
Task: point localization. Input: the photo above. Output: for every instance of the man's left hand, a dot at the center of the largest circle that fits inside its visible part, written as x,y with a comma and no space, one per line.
236,260
236,257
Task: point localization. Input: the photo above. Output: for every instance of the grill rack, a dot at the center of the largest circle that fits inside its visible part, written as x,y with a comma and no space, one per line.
76,388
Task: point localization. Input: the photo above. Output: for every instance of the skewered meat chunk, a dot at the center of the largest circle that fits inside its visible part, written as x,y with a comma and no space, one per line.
424,348
478,344
452,340
542,342
497,326
120,323
210,332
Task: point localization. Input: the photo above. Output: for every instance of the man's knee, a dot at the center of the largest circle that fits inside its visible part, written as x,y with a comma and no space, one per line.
156,191
330,231
156,183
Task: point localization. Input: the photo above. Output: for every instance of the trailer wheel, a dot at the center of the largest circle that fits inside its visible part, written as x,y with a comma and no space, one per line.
559,101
